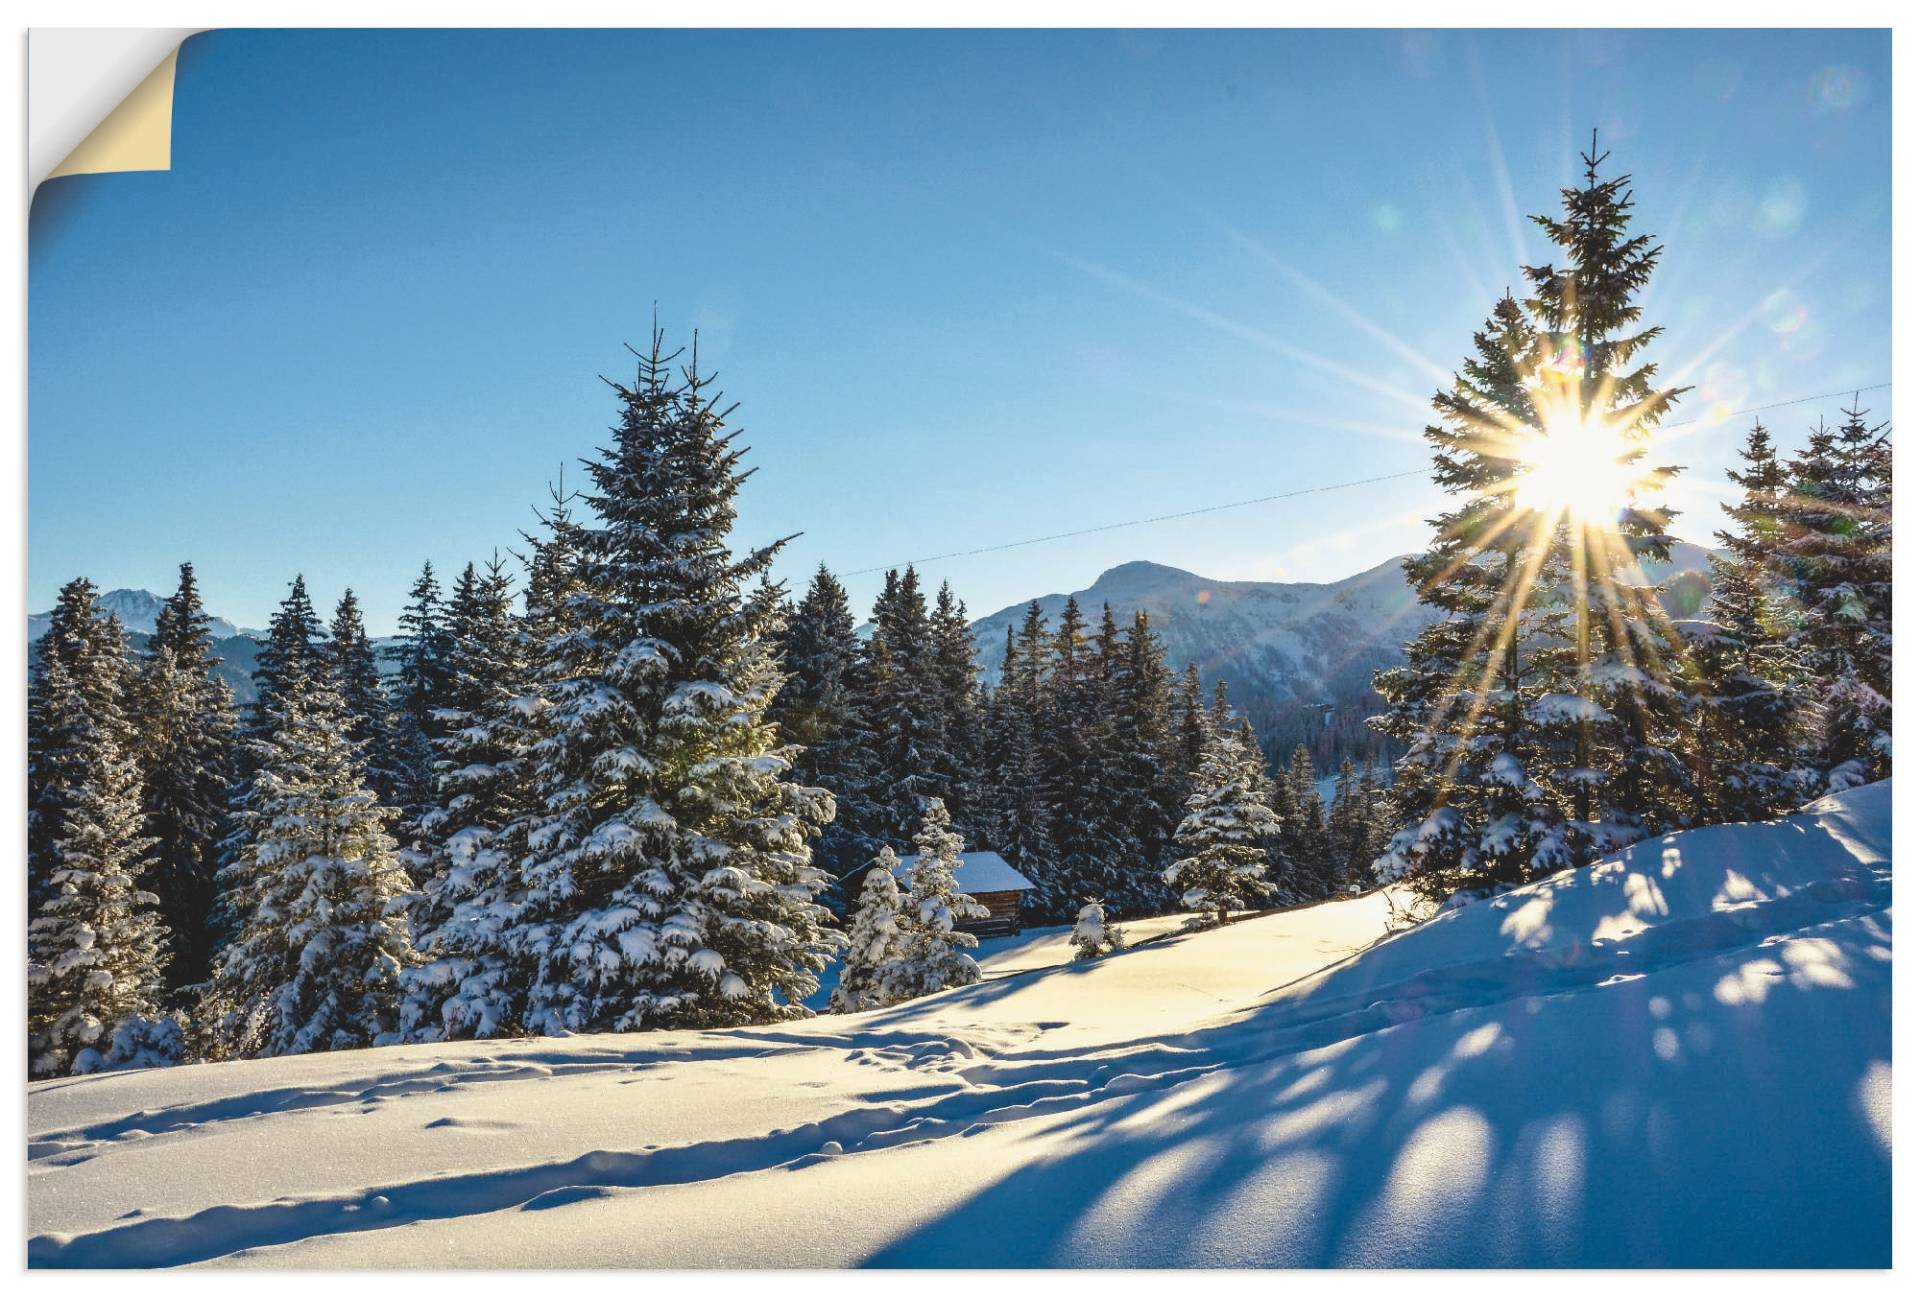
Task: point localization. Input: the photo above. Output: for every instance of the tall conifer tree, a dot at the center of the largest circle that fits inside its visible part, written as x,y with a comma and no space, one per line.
670,880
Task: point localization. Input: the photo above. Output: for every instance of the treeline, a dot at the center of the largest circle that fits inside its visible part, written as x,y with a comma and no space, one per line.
1079,766
1557,713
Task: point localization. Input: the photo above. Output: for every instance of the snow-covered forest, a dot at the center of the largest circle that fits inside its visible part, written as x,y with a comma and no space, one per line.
615,779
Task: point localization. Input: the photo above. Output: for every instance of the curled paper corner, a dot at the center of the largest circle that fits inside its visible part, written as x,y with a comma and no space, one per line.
101,100
136,136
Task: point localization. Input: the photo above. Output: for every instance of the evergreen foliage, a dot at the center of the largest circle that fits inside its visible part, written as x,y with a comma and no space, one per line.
468,983
1225,835
314,889
187,729
1092,935
930,954
669,878
873,939
95,940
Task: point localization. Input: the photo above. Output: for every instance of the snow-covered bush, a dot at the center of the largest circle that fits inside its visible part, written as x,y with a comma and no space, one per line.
931,954
1092,935
873,941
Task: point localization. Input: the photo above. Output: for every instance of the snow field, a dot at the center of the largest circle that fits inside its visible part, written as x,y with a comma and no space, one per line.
1678,1057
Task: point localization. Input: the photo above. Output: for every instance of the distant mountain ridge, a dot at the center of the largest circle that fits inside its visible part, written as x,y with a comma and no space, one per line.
1298,656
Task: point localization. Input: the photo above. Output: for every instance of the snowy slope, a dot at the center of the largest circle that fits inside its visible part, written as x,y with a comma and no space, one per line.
1679,1057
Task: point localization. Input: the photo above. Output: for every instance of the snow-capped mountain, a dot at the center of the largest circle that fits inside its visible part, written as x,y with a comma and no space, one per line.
137,611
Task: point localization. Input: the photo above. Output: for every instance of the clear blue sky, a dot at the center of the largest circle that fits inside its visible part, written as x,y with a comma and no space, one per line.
966,287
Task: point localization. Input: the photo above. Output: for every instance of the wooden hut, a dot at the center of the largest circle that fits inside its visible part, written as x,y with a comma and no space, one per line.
989,879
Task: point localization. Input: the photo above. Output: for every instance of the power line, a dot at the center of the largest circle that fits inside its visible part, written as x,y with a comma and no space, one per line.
1781,405
1307,490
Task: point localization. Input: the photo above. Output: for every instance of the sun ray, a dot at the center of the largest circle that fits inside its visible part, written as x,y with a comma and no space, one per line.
1237,329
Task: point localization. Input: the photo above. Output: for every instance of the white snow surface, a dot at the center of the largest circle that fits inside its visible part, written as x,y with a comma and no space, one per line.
1678,1057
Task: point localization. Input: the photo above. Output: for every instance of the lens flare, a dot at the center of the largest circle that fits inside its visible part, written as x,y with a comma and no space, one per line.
1582,469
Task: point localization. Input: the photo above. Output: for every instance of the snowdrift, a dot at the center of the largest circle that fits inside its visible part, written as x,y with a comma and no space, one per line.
1679,1057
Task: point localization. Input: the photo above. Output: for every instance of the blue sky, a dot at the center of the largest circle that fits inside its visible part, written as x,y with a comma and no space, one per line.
967,287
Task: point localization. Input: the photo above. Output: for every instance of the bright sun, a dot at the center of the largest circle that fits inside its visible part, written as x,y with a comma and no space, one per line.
1581,469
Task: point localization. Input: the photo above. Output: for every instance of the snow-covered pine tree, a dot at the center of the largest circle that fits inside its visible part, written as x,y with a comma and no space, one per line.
932,952
1630,773
1080,767
955,677
314,888
1093,936
293,654
294,648
873,939
356,674
1303,839
902,708
1022,813
1743,680
1470,808
817,713
670,881
1152,786
468,983
1836,553
187,733
1190,733
91,647
1224,836
95,941
1346,826
420,690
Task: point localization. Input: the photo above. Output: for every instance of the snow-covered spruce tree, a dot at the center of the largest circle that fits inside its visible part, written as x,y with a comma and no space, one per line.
818,715
315,890
1743,680
295,648
293,653
95,941
873,939
670,881
1078,774
356,674
1191,730
901,704
1224,836
1092,935
1303,839
1467,794
476,973
467,983
91,647
955,676
1743,747
1151,786
1629,774
931,954
1835,552
420,690
187,731
1022,814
